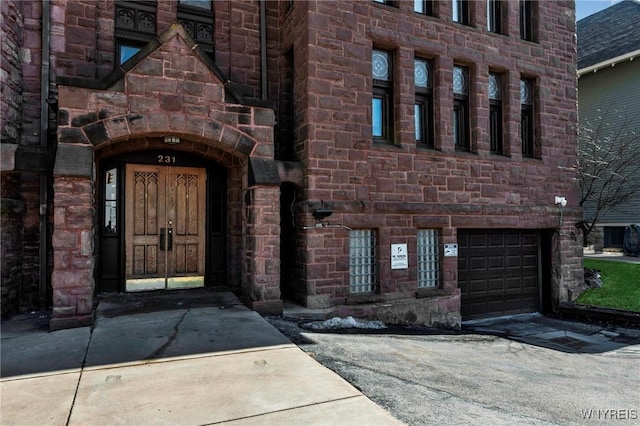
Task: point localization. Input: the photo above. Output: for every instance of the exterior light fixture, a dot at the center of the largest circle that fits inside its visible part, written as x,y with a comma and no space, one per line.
321,214
172,140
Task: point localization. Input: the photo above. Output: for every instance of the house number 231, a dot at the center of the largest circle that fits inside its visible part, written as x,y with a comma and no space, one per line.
166,159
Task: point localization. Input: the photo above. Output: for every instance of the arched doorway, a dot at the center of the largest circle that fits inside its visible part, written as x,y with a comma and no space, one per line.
162,221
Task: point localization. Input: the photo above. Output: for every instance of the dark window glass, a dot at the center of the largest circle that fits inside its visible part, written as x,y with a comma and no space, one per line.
526,117
126,51
423,6
461,108
495,113
203,4
494,16
423,108
387,2
135,26
111,201
381,108
460,11
526,20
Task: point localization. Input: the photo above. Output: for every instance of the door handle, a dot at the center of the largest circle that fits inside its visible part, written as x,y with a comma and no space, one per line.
169,239
162,238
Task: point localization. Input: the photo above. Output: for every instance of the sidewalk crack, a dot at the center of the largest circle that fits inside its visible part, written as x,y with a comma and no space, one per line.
159,352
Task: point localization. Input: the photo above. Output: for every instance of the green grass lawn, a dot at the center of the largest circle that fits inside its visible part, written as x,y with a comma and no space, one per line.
620,285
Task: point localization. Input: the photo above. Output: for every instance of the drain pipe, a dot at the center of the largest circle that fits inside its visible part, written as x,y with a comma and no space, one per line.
44,142
263,50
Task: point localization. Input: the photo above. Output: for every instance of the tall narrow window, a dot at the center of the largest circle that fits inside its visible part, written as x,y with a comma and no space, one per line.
526,20
526,117
494,16
495,113
196,17
460,11
362,261
135,26
111,201
461,108
382,111
428,258
423,108
423,6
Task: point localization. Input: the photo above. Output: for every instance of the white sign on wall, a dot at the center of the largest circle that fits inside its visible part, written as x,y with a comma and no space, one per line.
399,256
450,250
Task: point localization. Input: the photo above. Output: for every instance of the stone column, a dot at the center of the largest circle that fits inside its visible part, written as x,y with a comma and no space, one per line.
567,270
73,238
261,282
11,211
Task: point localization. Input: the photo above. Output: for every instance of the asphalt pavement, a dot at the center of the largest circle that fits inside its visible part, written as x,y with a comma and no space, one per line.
524,370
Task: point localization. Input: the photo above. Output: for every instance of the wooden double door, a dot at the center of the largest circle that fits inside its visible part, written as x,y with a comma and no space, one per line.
164,227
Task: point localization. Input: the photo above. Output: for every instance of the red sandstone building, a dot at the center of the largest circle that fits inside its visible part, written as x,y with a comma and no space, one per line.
390,159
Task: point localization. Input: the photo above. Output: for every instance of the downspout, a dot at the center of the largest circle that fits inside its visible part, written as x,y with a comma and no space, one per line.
44,142
263,50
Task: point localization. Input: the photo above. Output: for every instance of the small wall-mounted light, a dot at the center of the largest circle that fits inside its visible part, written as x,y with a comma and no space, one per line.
172,140
321,214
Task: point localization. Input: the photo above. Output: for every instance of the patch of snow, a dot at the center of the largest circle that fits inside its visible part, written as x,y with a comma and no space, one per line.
348,322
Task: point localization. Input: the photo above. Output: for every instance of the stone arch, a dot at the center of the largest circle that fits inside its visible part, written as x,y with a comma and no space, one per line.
213,134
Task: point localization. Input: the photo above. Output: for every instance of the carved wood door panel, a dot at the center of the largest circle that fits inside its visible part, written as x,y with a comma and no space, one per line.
165,227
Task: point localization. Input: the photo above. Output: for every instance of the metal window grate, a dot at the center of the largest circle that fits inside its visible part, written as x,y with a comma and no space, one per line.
362,258
428,258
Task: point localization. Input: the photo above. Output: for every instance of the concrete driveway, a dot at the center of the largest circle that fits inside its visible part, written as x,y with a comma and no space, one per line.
469,378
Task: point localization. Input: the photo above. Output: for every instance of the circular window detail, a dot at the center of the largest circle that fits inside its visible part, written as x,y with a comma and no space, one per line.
380,66
459,80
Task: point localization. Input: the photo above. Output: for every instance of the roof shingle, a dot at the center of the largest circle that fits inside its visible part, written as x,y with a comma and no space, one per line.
609,33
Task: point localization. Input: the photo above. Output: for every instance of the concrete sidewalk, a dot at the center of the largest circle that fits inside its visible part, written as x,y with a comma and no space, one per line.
186,360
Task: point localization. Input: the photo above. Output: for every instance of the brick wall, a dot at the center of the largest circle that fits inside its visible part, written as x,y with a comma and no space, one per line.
11,207
86,44
401,187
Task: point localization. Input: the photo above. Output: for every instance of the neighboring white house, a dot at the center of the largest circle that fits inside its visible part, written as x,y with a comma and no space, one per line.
609,90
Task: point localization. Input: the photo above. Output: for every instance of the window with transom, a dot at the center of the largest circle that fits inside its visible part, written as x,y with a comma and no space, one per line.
495,113
527,130
461,107
382,101
423,107
197,18
135,26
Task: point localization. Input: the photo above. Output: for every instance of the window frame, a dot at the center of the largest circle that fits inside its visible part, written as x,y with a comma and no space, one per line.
527,123
140,29
496,115
426,6
424,102
392,3
495,13
462,8
526,10
383,90
362,261
196,21
460,119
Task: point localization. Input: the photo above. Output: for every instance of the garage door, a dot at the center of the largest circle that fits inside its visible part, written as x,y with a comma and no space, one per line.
497,272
